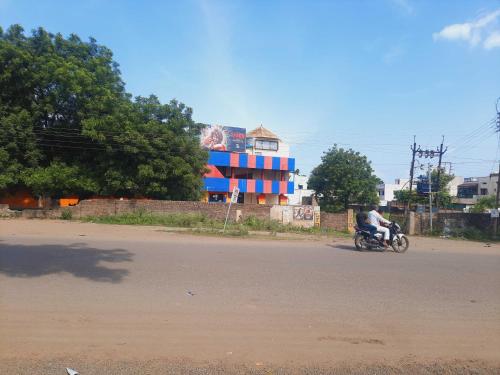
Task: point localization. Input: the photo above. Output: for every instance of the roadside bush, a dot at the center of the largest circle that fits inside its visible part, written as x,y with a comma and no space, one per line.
66,214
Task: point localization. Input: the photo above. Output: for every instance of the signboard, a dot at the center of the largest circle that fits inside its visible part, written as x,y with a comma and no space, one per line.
423,188
223,138
303,213
234,196
495,213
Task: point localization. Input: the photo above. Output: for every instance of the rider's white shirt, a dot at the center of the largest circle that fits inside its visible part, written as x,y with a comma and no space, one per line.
375,218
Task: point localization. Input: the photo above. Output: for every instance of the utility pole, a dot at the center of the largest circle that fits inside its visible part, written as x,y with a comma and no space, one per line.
441,153
429,181
428,153
412,168
495,222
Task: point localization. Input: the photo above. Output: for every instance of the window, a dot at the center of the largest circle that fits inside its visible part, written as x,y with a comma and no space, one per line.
301,187
484,191
216,198
266,145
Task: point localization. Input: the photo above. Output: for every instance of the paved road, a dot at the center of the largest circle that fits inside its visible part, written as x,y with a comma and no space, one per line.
105,294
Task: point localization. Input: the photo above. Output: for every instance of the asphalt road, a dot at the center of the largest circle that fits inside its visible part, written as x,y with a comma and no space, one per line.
73,293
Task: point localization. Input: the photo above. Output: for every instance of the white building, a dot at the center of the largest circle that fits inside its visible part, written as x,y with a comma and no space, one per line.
263,142
386,191
301,195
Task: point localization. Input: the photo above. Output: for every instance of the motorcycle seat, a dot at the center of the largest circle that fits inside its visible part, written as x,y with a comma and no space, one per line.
361,230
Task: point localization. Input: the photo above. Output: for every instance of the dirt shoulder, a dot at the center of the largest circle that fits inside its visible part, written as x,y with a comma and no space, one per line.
72,229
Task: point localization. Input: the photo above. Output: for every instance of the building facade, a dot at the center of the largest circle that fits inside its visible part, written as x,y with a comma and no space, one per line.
473,188
386,191
301,195
261,171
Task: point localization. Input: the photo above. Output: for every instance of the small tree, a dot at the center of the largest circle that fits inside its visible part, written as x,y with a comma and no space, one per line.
344,177
483,204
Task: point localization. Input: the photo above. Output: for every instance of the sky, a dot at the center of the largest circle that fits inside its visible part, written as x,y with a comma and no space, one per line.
366,75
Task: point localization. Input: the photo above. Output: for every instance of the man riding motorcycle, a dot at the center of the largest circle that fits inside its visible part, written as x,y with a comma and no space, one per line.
375,219
363,224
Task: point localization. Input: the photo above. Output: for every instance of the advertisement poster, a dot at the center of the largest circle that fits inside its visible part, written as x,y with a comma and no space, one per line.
303,213
223,138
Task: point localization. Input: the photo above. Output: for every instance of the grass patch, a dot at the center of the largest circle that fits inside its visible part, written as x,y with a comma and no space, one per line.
146,218
200,223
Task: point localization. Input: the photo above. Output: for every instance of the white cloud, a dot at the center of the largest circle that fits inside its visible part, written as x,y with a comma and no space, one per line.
472,32
492,41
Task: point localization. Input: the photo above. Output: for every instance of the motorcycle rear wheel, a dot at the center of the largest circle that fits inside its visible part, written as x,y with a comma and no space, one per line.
400,245
360,242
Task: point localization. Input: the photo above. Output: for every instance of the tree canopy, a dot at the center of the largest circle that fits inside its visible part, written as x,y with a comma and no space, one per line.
67,125
344,177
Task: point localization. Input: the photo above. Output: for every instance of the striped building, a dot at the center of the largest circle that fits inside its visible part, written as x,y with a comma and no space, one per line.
262,173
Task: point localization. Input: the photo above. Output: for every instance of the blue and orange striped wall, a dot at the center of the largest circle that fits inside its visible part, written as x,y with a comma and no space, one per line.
240,160
214,181
215,184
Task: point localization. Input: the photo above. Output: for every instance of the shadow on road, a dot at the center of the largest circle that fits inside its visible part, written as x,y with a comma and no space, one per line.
352,248
76,259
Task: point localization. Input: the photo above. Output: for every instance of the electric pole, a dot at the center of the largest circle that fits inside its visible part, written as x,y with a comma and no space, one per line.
441,153
417,152
495,222
412,168
430,195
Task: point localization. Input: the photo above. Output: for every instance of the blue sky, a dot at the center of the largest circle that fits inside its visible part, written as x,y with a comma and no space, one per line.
364,74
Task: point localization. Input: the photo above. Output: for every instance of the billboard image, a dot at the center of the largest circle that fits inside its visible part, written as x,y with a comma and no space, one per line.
223,138
303,213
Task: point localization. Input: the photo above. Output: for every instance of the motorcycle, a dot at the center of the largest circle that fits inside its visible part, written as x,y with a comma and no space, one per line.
364,241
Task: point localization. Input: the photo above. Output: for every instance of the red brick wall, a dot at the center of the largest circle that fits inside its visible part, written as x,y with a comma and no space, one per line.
334,221
102,207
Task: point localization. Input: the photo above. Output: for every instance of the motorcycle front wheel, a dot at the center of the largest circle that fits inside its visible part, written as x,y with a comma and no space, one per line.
400,245
360,242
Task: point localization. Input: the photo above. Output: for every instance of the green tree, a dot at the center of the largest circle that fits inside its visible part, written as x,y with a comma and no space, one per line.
344,177
483,204
65,114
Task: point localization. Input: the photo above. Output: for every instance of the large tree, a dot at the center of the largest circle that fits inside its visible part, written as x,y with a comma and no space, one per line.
344,177
67,125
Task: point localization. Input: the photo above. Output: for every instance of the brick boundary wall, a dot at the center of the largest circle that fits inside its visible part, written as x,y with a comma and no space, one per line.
104,207
338,221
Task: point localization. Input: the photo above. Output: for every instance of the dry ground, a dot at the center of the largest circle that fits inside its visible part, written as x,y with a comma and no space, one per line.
111,299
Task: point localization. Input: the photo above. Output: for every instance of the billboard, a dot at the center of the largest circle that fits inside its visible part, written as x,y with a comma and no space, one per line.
223,138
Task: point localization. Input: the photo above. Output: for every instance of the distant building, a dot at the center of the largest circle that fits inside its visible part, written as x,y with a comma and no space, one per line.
301,195
473,188
260,168
386,191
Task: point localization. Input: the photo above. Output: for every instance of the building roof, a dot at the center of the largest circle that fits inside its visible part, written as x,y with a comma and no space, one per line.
262,132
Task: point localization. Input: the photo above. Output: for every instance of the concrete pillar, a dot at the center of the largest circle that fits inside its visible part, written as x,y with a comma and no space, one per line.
239,216
411,223
350,220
